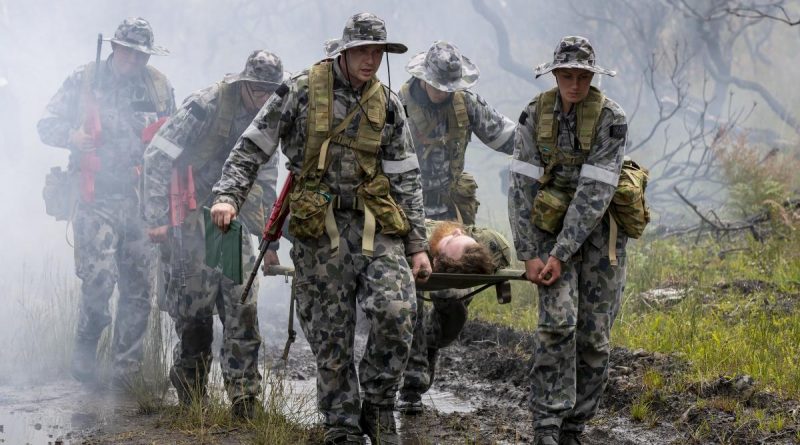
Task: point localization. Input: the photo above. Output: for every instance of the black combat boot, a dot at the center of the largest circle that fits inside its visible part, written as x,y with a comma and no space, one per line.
189,389
546,436
410,403
84,361
377,422
246,408
570,438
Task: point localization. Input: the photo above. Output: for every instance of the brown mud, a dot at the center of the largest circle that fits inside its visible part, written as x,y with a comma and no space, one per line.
480,397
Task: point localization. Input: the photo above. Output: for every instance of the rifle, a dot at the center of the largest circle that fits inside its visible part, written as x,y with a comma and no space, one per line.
182,198
90,162
272,230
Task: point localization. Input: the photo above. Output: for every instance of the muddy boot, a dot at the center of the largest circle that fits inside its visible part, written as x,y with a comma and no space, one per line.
84,361
570,438
189,390
410,403
377,422
545,436
246,408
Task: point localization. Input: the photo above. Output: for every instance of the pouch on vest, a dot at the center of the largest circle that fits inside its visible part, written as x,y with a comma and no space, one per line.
549,208
628,206
308,208
60,193
375,194
463,192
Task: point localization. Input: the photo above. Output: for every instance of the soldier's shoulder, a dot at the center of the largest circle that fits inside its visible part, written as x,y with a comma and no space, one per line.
201,102
157,75
616,109
87,69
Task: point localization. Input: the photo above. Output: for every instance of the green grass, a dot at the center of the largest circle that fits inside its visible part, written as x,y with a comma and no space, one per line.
718,332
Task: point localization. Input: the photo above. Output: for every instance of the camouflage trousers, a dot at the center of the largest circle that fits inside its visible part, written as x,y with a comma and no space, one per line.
328,286
112,249
192,308
435,327
576,313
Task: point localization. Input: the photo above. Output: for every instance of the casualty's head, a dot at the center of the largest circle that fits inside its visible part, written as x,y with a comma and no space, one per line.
132,46
442,69
361,48
574,67
262,75
453,251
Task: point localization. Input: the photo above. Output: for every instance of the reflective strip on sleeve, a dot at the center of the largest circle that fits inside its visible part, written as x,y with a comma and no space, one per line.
502,138
526,169
167,147
599,174
396,167
263,142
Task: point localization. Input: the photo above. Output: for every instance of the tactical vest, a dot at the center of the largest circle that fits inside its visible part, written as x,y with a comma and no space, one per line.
311,203
229,102
628,208
457,136
156,83
462,191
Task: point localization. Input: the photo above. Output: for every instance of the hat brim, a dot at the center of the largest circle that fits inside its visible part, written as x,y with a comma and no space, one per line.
155,50
469,74
239,77
547,67
335,47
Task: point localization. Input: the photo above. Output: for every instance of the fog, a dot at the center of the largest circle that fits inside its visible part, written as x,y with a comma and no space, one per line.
42,42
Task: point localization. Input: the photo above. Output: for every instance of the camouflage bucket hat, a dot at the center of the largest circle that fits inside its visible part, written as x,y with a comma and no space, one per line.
444,68
262,67
363,29
573,52
136,33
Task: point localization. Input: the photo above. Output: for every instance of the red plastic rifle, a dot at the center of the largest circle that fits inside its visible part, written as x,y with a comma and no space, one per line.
90,162
272,230
182,198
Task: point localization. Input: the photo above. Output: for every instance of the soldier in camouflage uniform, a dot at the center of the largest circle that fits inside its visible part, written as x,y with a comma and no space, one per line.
200,136
111,246
454,248
443,114
346,140
569,152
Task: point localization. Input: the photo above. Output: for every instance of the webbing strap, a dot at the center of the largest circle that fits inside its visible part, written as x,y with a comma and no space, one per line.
612,240
331,229
368,237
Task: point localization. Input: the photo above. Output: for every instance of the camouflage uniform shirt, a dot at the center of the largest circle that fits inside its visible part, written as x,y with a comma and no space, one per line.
283,118
126,107
492,128
179,139
595,181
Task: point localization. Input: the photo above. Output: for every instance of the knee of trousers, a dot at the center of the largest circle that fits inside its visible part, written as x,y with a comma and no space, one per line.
555,336
196,337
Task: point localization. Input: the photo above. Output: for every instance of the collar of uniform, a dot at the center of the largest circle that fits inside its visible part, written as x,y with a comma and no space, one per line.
338,75
421,97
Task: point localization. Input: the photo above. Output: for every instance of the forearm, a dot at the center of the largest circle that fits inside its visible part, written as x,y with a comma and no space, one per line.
407,191
584,213
239,173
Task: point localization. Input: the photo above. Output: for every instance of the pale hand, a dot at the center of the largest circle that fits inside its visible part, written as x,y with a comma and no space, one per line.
270,259
80,140
158,234
551,272
420,267
222,214
533,268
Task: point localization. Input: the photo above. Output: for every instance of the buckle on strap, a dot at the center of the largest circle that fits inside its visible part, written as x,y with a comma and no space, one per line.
347,202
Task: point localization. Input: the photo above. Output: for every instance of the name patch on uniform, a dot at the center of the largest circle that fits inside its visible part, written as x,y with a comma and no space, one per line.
197,111
523,117
619,131
282,90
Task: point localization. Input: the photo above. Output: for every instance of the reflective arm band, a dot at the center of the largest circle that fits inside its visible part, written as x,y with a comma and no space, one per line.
260,139
396,167
166,147
526,169
502,138
599,174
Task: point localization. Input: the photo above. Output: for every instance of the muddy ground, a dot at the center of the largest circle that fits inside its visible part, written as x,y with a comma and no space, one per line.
479,398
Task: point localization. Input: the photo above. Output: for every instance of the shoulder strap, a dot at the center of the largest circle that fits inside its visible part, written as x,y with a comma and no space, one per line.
228,101
546,123
457,134
588,116
158,89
